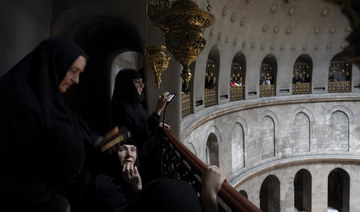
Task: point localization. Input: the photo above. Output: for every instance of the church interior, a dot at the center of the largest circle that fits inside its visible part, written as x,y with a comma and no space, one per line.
269,91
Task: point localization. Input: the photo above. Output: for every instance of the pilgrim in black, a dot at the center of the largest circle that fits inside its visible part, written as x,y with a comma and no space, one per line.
124,190
43,144
128,111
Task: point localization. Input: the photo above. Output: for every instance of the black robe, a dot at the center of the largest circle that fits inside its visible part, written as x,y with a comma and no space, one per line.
42,142
128,111
161,195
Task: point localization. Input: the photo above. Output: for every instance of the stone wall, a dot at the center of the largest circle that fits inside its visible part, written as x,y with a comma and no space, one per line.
280,136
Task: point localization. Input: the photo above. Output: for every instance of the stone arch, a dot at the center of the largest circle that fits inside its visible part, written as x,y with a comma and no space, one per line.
339,63
302,128
305,110
212,77
302,75
268,72
303,190
239,66
339,128
244,193
103,34
237,146
346,110
212,150
238,77
266,144
340,73
339,190
270,194
311,119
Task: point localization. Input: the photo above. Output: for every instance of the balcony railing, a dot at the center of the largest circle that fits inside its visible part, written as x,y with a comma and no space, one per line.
301,88
339,87
179,162
185,104
267,90
237,93
210,97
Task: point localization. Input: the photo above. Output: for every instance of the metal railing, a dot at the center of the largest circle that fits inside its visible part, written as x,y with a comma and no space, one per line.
339,87
301,88
179,162
185,104
210,97
267,90
237,93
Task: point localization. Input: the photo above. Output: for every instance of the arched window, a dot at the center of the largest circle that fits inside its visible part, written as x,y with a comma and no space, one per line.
212,150
302,190
211,77
267,80
237,147
266,143
243,193
339,75
270,194
302,72
339,131
301,132
237,77
339,190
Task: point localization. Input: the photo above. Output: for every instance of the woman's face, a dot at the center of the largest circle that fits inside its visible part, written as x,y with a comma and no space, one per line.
127,154
73,74
139,85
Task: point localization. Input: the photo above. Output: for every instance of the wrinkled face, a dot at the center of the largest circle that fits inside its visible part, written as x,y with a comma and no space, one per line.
139,85
127,154
73,74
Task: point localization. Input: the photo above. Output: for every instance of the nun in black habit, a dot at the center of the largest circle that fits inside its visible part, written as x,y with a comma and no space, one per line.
123,190
43,143
128,111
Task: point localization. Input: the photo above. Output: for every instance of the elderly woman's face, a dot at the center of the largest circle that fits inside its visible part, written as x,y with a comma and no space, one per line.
139,85
127,154
73,74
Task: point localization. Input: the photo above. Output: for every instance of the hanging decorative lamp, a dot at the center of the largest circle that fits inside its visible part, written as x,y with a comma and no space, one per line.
182,23
157,61
156,57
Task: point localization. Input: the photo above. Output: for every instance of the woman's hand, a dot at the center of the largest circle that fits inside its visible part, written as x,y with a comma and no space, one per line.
211,182
166,126
131,175
161,103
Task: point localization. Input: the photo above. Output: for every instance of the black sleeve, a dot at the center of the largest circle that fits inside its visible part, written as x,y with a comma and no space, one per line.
109,196
139,122
22,184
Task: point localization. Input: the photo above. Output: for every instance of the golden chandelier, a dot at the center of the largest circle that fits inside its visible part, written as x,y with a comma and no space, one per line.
182,23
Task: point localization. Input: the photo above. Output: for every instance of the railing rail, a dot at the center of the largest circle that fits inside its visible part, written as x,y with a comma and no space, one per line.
179,162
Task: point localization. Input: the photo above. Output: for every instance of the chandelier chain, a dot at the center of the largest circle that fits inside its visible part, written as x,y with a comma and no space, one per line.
209,7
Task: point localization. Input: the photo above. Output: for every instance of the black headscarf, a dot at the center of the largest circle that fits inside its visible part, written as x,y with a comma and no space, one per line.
41,140
124,89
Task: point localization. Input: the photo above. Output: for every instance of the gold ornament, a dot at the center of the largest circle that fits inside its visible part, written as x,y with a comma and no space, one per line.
157,61
183,23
